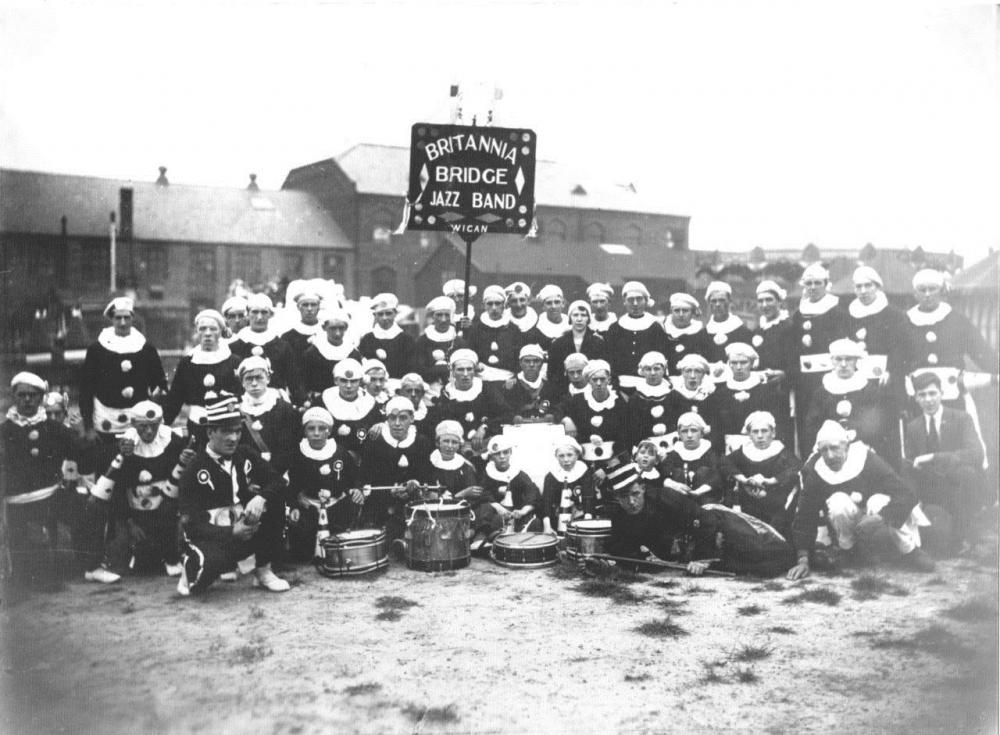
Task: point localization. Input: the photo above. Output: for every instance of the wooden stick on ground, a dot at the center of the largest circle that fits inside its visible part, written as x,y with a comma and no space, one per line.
658,563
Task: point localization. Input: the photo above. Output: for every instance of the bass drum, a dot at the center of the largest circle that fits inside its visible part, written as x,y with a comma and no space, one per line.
437,536
525,550
354,553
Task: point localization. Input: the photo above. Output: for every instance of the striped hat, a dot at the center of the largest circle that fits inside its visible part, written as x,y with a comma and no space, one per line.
223,412
622,477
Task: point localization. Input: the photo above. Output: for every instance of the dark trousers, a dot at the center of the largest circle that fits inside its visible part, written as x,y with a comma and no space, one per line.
303,524
152,536
30,540
205,558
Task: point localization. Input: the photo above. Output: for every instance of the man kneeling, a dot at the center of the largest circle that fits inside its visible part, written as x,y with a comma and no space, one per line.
860,495
231,507
672,525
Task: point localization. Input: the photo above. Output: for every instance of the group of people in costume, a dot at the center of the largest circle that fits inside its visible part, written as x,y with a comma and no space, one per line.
703,441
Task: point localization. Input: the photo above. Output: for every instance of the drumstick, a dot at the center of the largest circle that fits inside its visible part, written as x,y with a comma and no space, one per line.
662,564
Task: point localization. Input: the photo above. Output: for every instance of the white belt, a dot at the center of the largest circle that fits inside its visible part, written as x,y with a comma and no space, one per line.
33,497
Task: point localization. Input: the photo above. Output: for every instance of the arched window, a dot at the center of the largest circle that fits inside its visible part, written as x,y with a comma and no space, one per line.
382,227
555,230
594,233
633,236
383,280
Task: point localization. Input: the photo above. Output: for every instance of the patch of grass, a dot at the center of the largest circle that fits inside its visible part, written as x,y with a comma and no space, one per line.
356,690
781,630
772,586
253,651
611,589
748,653
393,602
390,615
710,673
637,677
746,675
934,639
935,581
566,570
128,608
256,612
665,628
978,608
869,586
674,606
695,589
819,595
666,584
419,713
748,610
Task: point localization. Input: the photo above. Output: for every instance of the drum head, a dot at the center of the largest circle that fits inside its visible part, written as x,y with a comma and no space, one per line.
592,525
433,510
525,539
362,534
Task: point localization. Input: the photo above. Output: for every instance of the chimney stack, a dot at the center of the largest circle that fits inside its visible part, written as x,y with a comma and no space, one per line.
252,186
162,180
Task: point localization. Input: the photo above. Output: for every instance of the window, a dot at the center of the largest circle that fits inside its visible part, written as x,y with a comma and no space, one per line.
594,233
334,266
382,227
94,266
633,236
383,280
246,265
202,276
156,264
291,265
555,231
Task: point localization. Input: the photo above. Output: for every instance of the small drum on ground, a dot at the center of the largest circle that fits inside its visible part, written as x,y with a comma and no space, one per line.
437,536
353,553
584,538
525,550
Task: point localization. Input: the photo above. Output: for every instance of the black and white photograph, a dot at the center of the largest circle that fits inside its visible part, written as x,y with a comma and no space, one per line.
562,366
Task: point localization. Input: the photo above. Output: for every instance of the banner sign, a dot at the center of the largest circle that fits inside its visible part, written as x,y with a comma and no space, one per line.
471,180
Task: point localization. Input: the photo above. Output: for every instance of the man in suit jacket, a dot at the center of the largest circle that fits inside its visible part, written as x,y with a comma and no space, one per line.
944,458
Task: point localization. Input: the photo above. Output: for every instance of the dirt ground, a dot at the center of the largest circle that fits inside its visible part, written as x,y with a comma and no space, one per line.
491,649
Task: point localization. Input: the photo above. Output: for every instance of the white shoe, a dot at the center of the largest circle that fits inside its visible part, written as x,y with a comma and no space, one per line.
270,581
101,575
182,584
173,569
229,576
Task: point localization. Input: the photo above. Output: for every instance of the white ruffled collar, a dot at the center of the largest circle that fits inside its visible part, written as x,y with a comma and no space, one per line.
252,407
320,455
857,456
636,323
732,323
391,333
766,323
927,318
574,391
689,455
653,474
404,443
536,385
674,332
447,335
487,321
347,410
840,386
494,473
654,391
700,393
307,330
455,463
551,329
149,450
462,396
330,351
750,383
759,455
258,339
601,325
18,420
571,475
127,345
860,311
525,322
204,357
595,405
815,308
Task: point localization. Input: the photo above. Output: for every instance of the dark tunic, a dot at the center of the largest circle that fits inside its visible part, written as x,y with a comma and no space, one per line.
720,339
472,409
695,469
521,491
783,466
191,383
611,424
431,357
544,339
628,339
317,368
108,375
298,338
862,410
679,346
496,346
651,415
351,420
310,471
279,428
567,496
736,401
387,462
948,341
285,373
775,345
396,353
593,346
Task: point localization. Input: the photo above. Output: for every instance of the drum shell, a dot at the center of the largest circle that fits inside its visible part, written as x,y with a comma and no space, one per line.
437,536
353,554
586,540
525,550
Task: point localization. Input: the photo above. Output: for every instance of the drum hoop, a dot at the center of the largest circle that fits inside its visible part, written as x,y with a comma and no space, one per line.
550,541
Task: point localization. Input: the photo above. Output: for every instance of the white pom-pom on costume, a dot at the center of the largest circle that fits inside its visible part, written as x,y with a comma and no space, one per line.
403,462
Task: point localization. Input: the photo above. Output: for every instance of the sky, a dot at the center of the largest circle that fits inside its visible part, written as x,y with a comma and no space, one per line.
773,124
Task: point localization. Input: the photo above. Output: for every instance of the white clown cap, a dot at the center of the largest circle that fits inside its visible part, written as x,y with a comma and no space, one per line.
600,289
846,348
235,303
832,432
334,316
499,443
693,361
718,287
463,355
145,411
634,287
494,293
815,270
441,303
652,358
369,364
518,287
759,417
769,286
260,301
317,413
122,303
398,404
456,287
212,314
348,369
866,274
550,291
580,304
928,277
596,366
531,351
449,428
254,362
682,300
566,441
412,379
743,350
575,360
26,378
384,302
693,419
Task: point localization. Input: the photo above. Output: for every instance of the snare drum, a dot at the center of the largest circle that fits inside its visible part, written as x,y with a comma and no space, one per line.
437,536
525,550
586,537
353,553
